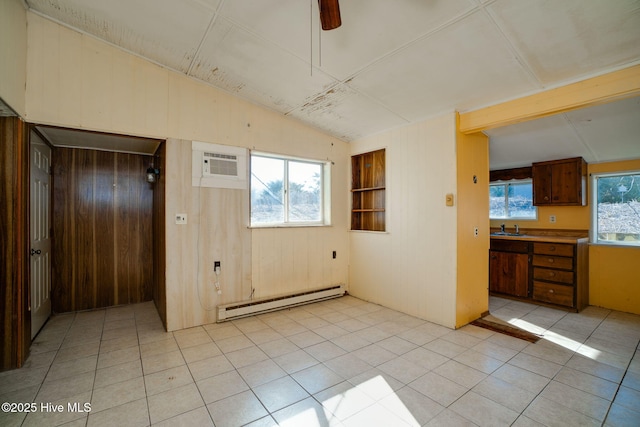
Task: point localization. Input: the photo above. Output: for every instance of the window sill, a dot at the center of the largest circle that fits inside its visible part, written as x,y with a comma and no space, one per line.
307,225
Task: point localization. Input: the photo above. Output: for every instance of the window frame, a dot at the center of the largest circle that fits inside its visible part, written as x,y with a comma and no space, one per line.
593,232
506,184
325,191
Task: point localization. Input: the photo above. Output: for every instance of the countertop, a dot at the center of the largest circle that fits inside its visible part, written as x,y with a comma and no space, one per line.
542,238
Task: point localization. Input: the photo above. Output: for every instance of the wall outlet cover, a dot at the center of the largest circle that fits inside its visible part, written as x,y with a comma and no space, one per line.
181,218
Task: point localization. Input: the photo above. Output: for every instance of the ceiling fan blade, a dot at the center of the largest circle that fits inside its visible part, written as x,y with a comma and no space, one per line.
329,14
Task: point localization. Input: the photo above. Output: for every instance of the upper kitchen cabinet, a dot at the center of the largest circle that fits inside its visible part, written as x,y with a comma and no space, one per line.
560,182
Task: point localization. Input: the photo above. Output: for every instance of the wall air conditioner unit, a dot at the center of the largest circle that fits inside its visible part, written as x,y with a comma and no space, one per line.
221,166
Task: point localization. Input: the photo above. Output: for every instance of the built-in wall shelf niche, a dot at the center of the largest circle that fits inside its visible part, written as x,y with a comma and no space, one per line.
368,191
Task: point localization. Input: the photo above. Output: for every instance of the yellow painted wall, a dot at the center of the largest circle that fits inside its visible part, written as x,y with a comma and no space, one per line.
13,54
614,277
472,295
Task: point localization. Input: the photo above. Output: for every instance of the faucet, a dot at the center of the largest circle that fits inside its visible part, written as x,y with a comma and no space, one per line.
502,228
517,228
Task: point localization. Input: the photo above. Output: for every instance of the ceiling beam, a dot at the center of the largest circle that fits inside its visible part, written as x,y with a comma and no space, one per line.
594,91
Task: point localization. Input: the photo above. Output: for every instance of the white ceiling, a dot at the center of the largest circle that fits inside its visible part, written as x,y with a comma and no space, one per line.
392,62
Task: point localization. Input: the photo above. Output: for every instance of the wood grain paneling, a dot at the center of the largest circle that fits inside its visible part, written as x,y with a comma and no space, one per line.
159,240
102,226
15,330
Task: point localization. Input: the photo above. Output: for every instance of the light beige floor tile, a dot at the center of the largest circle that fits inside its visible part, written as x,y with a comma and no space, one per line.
280,393
495,351
629,398
403,370
348,366
552,413
535,365
261,372
18,379
483,411
308,413
160,362
221,386
197,417
439,388
325,350
330,331
446,348
396,345
375,414
66,387
129,323
250,324
118,344
117,394
158,347
246,356
621,416
344,400
424,358
317,378
174,402
593,367
578,400
412,406
295,361
132,414
118,373
449,418
522,378
210,367
235,343
589,383
278,347
195,336
374,354
460,338
306,339
462,374
167,380
479,361
376,384
350,342
78,352
121,332
117,357
549,351
237,410
200,352
70,368
504,393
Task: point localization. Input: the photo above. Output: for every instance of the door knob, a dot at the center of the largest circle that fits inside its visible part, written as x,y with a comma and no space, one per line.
35,252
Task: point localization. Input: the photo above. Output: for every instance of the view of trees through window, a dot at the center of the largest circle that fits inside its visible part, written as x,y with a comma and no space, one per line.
511,200
285,191
618,212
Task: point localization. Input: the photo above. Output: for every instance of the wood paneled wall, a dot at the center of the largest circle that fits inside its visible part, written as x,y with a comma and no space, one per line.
15,330
159,239
102,230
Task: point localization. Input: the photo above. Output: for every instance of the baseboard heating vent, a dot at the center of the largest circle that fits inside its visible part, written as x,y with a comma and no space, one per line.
265,305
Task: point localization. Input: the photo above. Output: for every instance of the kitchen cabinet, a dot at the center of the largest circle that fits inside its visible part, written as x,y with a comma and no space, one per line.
550,271
509,268
560,182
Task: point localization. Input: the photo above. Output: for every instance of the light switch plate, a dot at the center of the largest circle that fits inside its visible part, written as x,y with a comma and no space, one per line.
181,218
449,199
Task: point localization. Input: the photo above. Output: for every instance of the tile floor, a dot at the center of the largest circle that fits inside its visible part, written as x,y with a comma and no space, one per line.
342,362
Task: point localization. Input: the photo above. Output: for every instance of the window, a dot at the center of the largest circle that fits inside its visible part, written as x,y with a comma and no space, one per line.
616,208
289,191
512,200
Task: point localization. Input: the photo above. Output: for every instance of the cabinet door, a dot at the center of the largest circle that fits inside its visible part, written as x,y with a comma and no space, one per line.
541,184
509,273
565,183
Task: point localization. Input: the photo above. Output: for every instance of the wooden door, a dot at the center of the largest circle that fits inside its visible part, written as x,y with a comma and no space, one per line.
40,232
509,273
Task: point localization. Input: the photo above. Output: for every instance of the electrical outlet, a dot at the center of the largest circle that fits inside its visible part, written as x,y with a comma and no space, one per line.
475,232
552,219
335,254
181,218
216,265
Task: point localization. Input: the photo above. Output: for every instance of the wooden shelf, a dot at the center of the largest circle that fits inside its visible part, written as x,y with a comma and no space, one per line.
368,191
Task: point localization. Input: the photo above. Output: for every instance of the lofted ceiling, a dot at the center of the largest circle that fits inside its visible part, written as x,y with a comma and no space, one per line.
392,62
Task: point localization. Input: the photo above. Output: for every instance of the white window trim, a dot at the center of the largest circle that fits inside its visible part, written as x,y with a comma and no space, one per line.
593,232
519,218
325,199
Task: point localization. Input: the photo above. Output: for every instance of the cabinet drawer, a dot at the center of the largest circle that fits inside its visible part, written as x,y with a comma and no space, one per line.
560,249
509,246
554,294
553,275
553,261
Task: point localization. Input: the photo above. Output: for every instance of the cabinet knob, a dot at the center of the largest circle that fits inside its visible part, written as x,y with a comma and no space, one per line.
552,273
550,260
552,248
550,291
546,197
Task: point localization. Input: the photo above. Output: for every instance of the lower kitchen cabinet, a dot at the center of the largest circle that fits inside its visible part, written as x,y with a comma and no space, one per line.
546,272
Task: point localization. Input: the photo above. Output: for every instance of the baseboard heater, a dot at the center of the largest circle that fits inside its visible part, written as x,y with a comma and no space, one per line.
265,305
